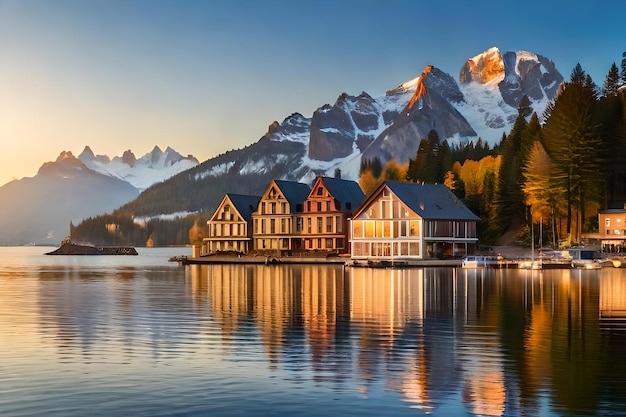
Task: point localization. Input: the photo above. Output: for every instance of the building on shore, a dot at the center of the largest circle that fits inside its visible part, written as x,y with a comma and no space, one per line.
274,220
410,221
323,223
612,229
229,227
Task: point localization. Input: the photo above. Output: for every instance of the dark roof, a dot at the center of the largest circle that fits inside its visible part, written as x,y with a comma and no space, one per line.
346,191
294,192
431,201
245,204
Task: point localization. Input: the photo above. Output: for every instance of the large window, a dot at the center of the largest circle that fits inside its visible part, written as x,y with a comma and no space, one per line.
357,228
415,228
329,224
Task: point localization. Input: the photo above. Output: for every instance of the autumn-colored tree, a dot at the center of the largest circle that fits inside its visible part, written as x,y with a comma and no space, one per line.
196,234
393,171
368,182
542,188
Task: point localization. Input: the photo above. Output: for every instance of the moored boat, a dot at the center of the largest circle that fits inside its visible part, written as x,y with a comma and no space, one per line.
481,261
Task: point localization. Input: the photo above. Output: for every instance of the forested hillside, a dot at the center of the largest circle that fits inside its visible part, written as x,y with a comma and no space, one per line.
558,168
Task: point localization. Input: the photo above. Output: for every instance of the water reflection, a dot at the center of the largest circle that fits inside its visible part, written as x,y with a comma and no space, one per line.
507,342
438,341
95,314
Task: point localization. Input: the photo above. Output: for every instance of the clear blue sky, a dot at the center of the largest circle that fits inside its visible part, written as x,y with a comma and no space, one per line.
208,76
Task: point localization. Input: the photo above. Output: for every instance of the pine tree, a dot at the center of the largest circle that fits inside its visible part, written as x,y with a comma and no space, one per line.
611,82
571,139
623,68
578,75
510,197
427,165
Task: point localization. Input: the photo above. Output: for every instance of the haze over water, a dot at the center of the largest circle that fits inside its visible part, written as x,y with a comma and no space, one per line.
141,336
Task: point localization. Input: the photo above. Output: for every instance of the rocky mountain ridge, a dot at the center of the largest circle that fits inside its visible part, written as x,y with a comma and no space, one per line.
70,189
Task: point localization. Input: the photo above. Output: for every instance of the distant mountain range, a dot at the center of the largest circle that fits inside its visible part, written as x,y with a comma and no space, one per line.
155,166
39,209
482,103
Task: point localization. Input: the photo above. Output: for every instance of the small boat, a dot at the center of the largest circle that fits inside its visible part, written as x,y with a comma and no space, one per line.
585,258
480,261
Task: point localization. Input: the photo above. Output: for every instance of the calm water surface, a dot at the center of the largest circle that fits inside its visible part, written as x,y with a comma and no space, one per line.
112,336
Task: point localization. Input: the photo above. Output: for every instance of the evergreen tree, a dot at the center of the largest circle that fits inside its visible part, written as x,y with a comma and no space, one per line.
427,165
623,68
524,106
510,197
571,139
578,75
590,84
611,82
531,133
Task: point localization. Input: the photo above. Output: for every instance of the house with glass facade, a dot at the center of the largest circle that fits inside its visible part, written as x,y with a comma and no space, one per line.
411,221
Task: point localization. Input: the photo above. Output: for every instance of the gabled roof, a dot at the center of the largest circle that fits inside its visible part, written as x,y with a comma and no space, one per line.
294,192
345,191
429,201
244,204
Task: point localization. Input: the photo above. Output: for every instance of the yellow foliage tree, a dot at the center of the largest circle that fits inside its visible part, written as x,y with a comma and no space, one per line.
368,183
393,171
196,234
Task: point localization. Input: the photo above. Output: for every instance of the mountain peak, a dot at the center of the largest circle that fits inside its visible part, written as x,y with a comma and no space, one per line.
483,68
66,165
87,153
129,158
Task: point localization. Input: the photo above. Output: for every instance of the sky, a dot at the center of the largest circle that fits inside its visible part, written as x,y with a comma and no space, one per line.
208,76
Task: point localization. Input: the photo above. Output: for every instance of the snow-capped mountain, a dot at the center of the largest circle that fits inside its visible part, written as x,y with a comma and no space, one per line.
39,209
155,166
482,102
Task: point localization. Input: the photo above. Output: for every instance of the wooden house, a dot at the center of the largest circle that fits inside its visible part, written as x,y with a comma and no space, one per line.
412,221
274,221
323,223
230,226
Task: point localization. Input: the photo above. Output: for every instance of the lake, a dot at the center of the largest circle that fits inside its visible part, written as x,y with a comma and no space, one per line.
140,336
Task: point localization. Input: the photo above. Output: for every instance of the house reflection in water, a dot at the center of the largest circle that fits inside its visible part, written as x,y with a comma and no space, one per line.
613,299
489,339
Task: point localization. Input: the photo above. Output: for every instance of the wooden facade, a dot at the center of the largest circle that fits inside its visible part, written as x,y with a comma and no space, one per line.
323,223
274,221
412,221
229,227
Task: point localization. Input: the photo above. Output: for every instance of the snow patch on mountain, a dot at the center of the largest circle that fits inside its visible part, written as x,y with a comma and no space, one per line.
153,167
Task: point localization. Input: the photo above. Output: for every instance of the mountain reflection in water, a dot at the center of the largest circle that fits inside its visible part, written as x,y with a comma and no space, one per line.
311,340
